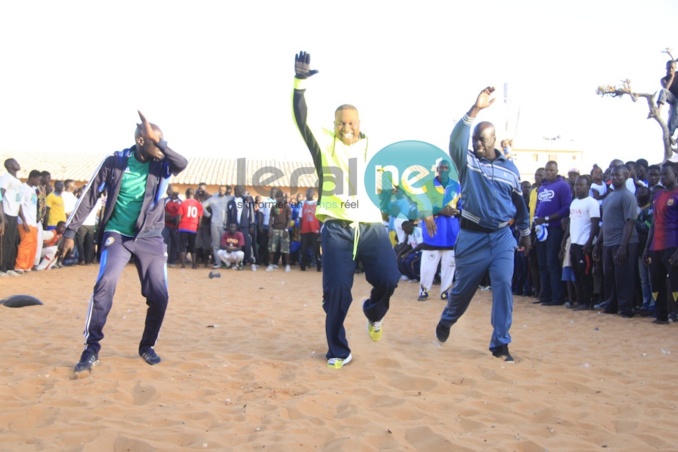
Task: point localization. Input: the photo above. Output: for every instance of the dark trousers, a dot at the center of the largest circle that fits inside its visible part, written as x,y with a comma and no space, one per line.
619,279
84,240
247,249
410,266
150,260
661,274
381,271
309,240
582,264
171,238
550,268
521,280
533,265
10,241
262,239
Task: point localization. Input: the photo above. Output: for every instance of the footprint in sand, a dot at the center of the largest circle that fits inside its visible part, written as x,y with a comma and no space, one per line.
144,394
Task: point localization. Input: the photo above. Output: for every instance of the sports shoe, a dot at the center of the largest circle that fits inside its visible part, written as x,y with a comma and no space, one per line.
270,268
216,266
374,330
12,273
149,355
88,359
2,274
228,265
444,296
287,268
404,278
502,352
660,322
338,363
254,268
442,332
423,294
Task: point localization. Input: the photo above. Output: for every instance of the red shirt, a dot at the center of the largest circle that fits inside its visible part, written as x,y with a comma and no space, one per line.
190,211
665,220
309,223
234,240
171,210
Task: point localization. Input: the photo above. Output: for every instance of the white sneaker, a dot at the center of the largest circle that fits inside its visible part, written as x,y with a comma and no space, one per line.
270,268
287,268
338,363
254,268
404,278
228,264
12,273
2,274
274,266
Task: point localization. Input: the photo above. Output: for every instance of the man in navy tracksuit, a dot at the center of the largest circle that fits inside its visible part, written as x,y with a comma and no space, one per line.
135,181
492,199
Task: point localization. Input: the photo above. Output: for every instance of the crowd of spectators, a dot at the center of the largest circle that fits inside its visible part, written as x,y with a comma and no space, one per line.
604,240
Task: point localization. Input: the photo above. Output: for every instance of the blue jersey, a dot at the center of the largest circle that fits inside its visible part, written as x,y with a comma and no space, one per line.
447,228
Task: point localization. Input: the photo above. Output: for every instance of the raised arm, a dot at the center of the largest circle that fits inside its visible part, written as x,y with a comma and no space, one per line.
302,71
461,133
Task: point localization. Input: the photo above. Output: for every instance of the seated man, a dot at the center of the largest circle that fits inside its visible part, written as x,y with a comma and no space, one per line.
230,251
408,252
50,246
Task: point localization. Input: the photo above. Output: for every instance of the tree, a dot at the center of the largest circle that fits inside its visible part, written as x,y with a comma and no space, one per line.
616,91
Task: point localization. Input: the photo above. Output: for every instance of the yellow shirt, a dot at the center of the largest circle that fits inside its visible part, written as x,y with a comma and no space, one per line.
57,211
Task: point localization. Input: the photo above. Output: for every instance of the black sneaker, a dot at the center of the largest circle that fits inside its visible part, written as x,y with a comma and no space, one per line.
502,352
88,359
149,355
442,332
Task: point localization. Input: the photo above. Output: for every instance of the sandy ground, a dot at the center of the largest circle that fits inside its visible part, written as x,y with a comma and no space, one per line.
244,368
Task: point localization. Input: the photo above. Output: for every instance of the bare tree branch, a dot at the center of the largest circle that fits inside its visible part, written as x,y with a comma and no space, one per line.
620,91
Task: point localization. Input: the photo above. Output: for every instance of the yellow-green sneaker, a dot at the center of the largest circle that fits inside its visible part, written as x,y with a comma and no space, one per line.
338,363
374,330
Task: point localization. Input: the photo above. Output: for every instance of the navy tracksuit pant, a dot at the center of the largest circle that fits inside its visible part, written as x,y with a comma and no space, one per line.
150,258
381,271
475,254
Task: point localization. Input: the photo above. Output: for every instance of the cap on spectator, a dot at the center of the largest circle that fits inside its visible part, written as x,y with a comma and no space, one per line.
573,170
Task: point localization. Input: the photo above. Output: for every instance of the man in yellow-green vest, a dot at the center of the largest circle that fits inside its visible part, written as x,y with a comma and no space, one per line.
353,228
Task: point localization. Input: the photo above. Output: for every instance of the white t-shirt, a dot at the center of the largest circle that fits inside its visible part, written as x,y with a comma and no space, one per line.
29,205
581,212
416,237
600,188
12,198
69,202
91,219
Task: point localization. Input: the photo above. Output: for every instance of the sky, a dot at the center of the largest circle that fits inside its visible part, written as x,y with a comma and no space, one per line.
217,76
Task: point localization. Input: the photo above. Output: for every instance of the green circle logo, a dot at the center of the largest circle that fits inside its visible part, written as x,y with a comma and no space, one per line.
405,169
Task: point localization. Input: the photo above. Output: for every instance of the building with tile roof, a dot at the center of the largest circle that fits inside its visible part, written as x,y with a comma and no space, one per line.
257,176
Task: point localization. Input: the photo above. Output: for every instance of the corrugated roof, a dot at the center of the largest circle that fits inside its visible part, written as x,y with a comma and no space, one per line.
212,170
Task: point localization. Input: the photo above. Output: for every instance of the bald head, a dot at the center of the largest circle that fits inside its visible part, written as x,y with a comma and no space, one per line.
483,140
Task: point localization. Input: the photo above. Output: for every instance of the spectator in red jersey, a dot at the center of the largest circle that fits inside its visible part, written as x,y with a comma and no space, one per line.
309,230
171,232
661,250
190,214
